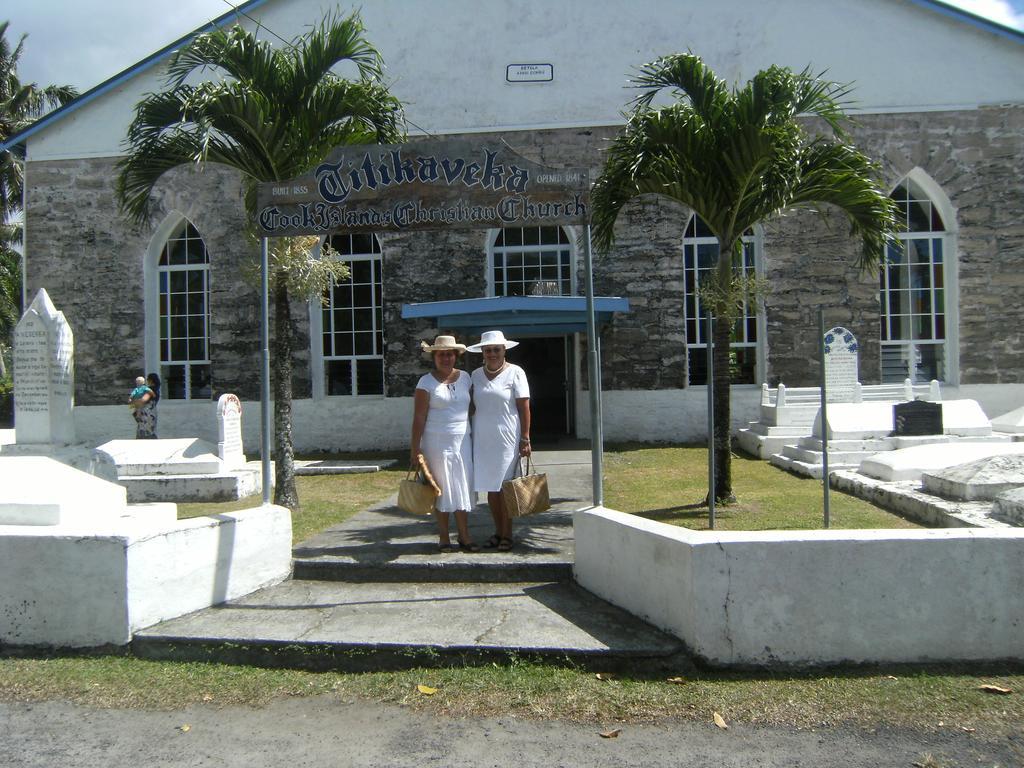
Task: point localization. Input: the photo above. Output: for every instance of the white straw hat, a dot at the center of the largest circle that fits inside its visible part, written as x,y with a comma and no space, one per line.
492,339
441,344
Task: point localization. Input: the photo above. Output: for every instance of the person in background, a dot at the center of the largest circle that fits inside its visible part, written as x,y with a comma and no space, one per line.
142,401
440,433
501,428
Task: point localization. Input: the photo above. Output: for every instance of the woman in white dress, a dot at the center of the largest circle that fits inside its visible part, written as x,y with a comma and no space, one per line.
440,432
501,428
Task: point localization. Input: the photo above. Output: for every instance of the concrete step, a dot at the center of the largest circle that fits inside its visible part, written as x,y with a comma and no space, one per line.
387,545
486,566
807,468
370,626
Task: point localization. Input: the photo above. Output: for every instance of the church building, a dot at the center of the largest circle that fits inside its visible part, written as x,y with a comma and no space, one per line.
938,102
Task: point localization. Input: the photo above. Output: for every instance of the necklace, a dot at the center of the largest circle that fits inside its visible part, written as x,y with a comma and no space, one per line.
491,374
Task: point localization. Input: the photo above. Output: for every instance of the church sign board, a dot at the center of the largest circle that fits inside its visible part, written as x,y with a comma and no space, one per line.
427,184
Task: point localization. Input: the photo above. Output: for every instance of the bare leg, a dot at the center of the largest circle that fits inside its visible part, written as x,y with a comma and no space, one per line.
502,522
442,528
462,523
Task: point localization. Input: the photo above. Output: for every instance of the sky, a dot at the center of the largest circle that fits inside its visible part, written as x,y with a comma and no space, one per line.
84,42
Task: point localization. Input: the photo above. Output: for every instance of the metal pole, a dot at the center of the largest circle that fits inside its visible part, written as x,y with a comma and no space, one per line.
711,425
824,413
265,368
593,376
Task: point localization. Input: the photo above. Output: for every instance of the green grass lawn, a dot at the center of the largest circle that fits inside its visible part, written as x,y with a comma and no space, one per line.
325,500
667,484
670,484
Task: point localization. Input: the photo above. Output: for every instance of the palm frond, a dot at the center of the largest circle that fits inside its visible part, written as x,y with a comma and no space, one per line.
689,77
837,174
336,40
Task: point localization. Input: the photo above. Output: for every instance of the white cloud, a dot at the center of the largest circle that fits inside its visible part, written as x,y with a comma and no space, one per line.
1000,11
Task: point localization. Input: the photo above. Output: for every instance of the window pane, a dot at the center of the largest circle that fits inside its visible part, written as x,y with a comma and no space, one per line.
201,388
364,344
700,252
339,377
173,381
370,377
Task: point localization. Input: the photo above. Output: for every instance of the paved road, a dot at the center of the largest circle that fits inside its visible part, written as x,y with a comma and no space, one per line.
328,731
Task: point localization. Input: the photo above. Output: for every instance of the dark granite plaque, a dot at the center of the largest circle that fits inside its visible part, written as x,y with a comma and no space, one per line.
917,417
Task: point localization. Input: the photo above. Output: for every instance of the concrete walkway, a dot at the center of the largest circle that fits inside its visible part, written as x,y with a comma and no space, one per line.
375,593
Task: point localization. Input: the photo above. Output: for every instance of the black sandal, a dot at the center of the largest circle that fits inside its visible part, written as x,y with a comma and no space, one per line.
493,542
470,546
505,545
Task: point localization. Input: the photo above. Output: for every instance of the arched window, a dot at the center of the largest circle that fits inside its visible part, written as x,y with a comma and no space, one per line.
352,321
700,254
912,291
183,278
531,261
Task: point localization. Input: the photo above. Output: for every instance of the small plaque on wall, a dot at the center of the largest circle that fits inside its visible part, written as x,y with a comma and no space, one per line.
529,73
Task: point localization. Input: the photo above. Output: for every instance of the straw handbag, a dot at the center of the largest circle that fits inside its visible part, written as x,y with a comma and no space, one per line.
418,491
526,494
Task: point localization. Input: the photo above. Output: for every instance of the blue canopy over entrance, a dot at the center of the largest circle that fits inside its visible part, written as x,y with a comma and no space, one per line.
521,315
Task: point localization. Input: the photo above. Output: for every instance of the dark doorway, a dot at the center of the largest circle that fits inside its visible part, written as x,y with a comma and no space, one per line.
549,372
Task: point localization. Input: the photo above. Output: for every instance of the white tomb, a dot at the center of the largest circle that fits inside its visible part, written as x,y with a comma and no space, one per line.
1010,423
981,479
44,376
229,432
909,463
81,568
44,385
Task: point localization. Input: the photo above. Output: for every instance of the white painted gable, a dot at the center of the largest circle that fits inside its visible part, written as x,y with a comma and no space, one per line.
448,59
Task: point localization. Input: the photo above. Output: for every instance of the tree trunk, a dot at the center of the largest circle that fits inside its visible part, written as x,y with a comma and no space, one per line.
723,450
285,493
728,256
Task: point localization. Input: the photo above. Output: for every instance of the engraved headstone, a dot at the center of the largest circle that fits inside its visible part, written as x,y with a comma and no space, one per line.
229,432
44,376
840,365
918,417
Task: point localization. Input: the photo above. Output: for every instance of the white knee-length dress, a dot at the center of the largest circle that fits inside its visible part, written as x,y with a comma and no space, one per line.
496,428
446,441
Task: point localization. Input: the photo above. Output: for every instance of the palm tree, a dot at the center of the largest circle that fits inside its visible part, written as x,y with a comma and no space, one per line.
272,115
20,104
736,157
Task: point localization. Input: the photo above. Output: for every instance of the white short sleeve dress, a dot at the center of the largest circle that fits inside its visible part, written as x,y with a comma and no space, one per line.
446,441
496,428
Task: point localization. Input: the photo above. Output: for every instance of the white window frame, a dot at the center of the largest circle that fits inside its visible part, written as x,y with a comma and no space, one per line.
318,367
948,237
152,270
756,241
496,251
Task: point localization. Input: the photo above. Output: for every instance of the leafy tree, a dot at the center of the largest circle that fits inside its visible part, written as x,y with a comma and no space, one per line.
272,114
736,157
20,104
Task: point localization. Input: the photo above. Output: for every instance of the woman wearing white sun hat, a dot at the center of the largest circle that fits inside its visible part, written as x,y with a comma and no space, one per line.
440,432
501,427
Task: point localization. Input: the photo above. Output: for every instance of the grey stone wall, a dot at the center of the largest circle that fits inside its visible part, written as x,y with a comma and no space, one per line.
90,259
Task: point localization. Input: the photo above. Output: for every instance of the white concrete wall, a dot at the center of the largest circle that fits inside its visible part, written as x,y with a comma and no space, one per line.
812,597
76,587
205,561
379,423
447,59
663,415
330,424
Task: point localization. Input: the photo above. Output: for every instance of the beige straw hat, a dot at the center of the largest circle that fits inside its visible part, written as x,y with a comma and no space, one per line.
442,343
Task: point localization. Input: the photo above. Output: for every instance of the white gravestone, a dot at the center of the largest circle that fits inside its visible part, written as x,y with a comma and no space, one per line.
840,365
44,376
229,432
